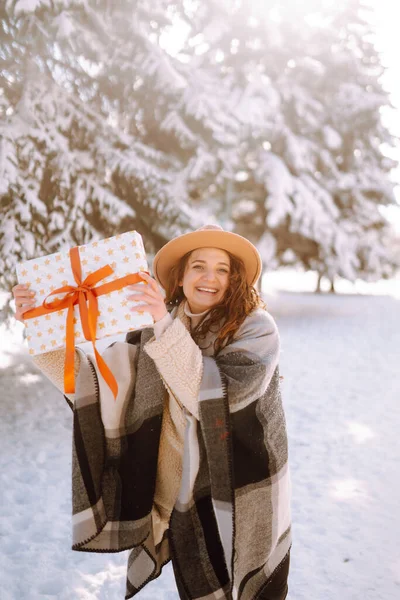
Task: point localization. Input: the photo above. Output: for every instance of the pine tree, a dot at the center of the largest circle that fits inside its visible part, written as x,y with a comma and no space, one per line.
81,87
300,169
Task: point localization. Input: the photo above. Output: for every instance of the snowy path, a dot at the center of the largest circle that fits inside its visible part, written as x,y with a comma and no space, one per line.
341,390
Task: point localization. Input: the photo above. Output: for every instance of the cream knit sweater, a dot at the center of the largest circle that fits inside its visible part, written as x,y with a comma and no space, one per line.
181,404
180,407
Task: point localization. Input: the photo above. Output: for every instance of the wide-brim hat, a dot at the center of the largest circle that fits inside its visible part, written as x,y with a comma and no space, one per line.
209,236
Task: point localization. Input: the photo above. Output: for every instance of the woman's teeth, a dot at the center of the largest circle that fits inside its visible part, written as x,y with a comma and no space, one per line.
208,290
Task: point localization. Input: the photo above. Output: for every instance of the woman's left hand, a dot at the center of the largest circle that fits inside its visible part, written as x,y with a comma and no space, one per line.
150,297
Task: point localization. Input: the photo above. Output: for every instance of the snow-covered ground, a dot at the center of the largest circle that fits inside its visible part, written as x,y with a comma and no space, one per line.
341,390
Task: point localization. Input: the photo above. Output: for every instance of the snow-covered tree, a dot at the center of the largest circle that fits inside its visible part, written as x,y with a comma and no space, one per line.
82,89
294,153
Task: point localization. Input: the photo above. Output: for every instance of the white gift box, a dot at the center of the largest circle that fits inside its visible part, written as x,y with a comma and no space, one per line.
126,256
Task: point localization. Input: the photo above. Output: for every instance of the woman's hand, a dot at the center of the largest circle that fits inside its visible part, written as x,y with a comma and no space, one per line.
150,295
24,300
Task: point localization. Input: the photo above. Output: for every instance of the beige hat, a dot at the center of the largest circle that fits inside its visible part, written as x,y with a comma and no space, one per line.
209,236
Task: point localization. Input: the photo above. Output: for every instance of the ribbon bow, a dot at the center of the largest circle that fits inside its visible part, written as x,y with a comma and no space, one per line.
85,295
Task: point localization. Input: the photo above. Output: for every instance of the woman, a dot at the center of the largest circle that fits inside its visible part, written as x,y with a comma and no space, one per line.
190,463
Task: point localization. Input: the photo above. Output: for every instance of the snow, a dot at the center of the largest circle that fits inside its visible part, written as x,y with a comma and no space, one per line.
340,389
331,138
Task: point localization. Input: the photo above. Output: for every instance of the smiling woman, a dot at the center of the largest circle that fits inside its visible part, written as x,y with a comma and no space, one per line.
190,463
205,278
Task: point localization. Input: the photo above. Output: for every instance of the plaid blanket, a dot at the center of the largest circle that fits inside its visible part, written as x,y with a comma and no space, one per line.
233,532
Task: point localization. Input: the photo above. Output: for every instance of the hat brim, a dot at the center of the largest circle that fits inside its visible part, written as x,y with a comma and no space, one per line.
235,244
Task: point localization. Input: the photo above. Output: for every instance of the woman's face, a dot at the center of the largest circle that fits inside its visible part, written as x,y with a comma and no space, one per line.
206,278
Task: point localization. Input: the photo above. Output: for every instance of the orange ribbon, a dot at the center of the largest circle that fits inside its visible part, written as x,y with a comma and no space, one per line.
84,294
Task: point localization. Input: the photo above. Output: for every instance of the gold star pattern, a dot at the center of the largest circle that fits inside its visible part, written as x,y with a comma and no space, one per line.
36,267
29,337
121,291
39,334
123,247
114,322
38,280
36,322
78,334
107,240
31,351
42,292
24,273
126,259
52,288
128,317
47,261
124,302
95,244
60,313
138,255
85,261
64,282
101,325
82,249
113,264
133,243
97,258
48,317
61,270
49,277
50,330
58,257
110,309
62,327
53,343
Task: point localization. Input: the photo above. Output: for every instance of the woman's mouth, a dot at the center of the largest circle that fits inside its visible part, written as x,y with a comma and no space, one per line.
206,290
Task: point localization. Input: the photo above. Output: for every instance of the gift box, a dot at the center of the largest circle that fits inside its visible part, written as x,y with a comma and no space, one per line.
81,293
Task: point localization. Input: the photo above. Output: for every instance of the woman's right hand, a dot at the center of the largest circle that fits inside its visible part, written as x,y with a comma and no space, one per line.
24,300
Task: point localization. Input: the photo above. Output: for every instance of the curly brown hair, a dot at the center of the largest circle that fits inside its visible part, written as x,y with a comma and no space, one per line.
240,299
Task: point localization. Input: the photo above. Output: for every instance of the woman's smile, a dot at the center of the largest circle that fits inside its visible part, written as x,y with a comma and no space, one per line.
206,278
206,290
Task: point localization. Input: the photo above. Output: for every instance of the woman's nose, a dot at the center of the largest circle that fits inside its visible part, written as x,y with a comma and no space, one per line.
210,276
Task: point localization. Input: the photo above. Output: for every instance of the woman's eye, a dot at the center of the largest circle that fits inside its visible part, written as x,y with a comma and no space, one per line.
219,270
